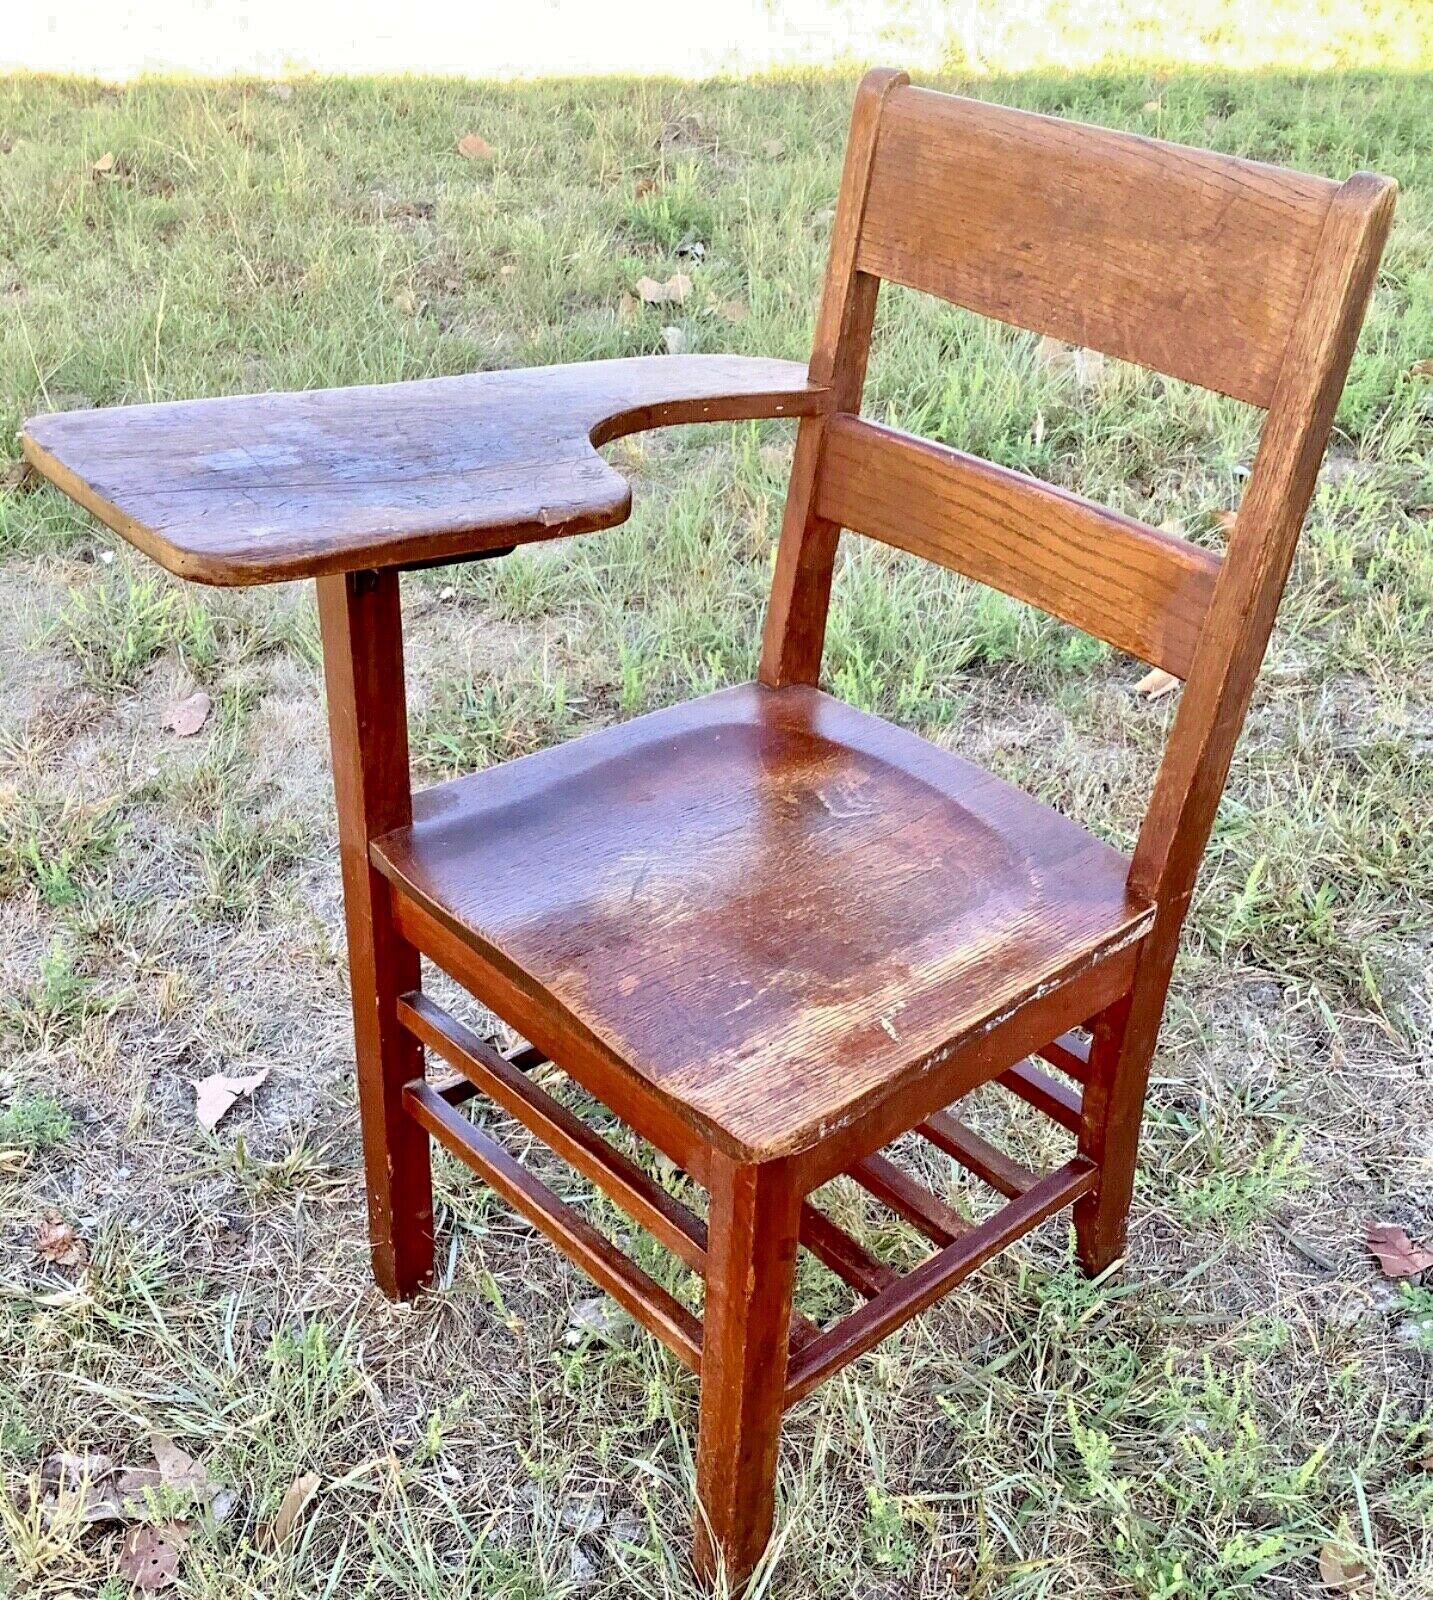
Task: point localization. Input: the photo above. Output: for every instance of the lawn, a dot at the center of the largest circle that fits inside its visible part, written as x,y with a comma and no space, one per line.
1246,1392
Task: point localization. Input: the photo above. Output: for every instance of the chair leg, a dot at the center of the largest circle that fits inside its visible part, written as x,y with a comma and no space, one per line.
368,727
1113,1105
751,1267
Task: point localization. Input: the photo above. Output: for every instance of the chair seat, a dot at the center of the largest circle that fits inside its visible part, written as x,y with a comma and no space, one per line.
769,906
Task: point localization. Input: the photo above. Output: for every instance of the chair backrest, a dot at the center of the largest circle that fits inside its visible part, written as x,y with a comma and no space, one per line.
1237,276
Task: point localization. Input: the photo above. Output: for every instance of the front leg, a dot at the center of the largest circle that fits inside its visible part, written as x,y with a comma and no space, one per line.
751,1267
362,630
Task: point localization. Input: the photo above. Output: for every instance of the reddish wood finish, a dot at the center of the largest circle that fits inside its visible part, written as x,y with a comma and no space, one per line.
680,888
1183,260
255,488
1141,590
771,933
368,725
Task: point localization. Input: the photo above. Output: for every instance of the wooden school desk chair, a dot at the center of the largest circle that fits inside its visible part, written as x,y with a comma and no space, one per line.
772,933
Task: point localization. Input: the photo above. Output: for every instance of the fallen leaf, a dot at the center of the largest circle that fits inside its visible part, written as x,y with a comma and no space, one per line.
1225,521
104,164
1054,353
148,1559
296,1498
1090,367
57,1241
674,291
135,1483
597,1318
1397,1254
475,147
406,301
773,148
66,1471
676,341
1156,683
18,475
1342,1571
186,717
1422,369
179,1470
643,186
214,1095
221,1507
628,308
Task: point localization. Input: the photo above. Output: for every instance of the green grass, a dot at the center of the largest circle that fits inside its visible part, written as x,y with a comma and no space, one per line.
1198,1426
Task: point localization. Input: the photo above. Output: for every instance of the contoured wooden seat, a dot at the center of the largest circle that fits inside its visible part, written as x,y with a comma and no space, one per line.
767,909
771,933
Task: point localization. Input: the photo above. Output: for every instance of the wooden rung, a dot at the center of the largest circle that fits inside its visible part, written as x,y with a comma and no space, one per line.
503,1079
907,1198
1044,1093
868,1275
1071,1054
599,1258
490,1072
977,1155
935,1276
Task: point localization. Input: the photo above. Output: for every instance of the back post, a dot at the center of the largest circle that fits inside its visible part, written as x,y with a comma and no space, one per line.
801,589
1220,685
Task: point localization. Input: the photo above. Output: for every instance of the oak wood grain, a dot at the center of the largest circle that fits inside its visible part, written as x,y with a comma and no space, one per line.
1131,585
258,488
1188,261
764,906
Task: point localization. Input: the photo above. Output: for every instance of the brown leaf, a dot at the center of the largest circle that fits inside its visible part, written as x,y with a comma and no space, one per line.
1156,683
104,164
18,475
1422,369
214,1095
57,1241
674,291
296,1498
67,1471
1226,521
178,1470
627,309
643,186
1342,1571
186,717
149,1560
475,147
1397,1254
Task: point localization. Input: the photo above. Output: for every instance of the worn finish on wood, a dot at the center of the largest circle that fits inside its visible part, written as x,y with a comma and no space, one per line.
255,488
368,725
602,1261
1138,589
769,932
646,1202
1187,261
751,1269
936,1276
768,907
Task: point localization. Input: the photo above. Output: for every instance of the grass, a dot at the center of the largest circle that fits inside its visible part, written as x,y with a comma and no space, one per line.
1199,1425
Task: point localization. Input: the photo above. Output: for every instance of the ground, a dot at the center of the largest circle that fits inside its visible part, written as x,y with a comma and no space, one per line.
1245,1392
